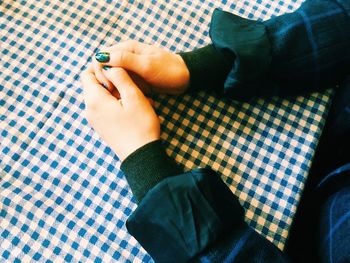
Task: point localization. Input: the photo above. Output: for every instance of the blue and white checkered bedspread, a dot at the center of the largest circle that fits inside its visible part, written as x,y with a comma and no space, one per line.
62,195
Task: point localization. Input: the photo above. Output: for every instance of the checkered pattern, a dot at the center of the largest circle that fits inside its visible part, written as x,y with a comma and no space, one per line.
62,195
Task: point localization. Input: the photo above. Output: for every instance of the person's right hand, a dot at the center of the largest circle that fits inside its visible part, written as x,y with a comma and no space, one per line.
161,71
125,120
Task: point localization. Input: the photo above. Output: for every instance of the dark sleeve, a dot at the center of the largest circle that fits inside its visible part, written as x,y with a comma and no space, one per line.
147,166
294,53
190,216
195,217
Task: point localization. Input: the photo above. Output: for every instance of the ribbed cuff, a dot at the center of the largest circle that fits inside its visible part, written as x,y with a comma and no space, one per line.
148,166
208,68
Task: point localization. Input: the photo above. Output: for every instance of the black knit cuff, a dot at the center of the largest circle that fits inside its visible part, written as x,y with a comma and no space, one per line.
208,68
147,166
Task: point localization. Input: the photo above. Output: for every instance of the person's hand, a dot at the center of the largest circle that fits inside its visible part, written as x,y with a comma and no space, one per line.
152,68
125,124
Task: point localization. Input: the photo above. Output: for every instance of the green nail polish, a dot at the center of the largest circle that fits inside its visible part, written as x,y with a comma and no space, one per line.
102,57
106,67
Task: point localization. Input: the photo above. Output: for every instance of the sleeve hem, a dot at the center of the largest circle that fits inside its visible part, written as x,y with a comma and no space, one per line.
147,166
208,68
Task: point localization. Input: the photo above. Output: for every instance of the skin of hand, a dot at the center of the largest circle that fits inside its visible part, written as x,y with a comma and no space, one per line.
125,124
153,69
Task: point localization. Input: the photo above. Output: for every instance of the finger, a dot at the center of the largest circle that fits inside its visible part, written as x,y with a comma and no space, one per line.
101,77
111,88
131,46
92,89
130,61
103,54
128,90
89,81
140,82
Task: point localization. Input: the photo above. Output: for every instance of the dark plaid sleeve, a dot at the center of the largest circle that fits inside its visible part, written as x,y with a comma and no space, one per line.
194,217
294,53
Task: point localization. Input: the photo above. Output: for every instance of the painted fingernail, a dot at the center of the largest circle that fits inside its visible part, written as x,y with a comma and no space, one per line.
106,67
102,57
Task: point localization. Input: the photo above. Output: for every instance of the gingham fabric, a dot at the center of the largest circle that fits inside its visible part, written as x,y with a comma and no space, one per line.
62,195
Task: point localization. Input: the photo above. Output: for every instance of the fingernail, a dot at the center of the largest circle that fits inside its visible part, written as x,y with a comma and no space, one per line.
102,57
106,67
105,86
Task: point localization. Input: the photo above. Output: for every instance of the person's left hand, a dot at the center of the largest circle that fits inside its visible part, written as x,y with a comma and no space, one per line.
153,69
125,124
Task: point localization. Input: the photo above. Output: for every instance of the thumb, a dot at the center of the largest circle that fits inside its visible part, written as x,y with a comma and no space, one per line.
128,60
124,84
